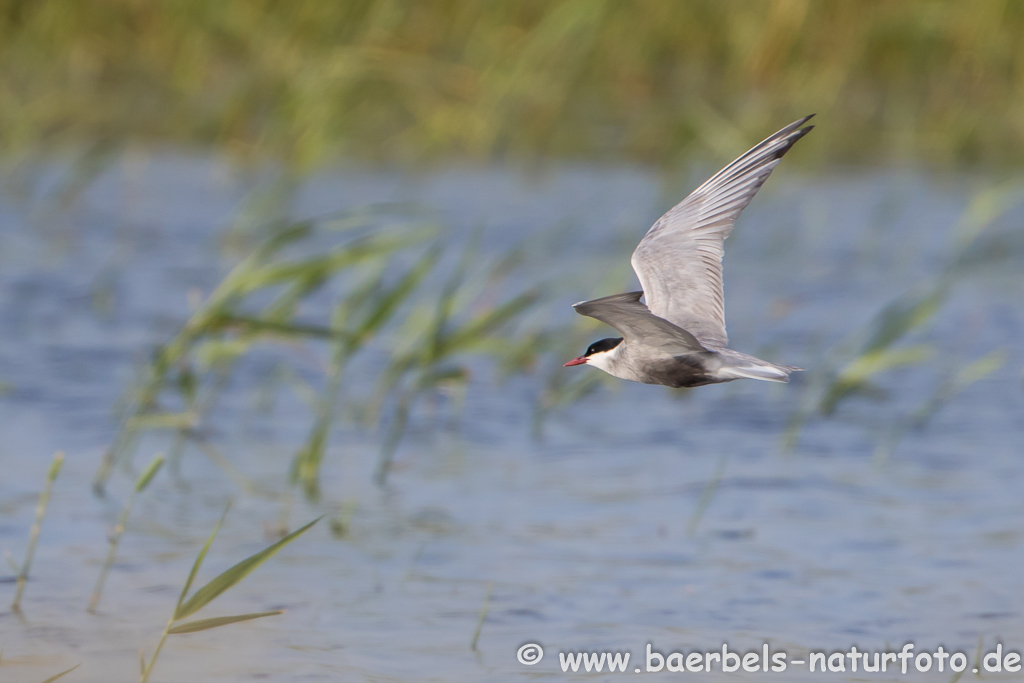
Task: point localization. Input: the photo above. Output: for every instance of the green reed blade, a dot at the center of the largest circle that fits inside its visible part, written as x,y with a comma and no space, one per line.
394,297
902,316
259,325
115,538
199,562
306,467
62,673
442,375
396,430
984,208
148,475
477,329
363,291
853,378
482,616
204,624
872,363
37,525
232,576
162,421
447,296
974,371
307,464
321,266
706,496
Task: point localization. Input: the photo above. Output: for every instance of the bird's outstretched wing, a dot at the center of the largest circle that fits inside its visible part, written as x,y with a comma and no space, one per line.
679,260
636,324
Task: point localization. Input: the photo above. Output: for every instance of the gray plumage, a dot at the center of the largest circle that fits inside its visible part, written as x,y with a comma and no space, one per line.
678,338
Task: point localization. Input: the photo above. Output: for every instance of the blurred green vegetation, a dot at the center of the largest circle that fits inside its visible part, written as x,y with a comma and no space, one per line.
314,81
380,270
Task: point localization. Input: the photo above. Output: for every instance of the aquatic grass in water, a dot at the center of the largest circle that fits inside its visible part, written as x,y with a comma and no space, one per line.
428,361
219,332
827,387
843,374
37,525
22,578
115,537
706,496
880,354
956,382
61,674
358,318
593,466
187,606
482,617
379,273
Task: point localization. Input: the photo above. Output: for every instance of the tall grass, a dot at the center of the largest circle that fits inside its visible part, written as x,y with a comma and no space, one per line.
53,678
430,357
115,537
225,327
403,81
851,367
377,273
189,605
37,526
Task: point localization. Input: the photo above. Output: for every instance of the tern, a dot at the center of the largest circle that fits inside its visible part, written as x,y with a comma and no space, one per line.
678,337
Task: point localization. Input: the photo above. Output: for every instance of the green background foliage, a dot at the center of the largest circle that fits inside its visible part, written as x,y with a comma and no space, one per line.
314,81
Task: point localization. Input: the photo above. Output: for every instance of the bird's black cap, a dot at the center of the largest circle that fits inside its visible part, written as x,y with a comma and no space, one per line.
603,345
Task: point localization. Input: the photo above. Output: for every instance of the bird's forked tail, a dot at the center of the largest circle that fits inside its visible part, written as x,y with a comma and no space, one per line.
756,369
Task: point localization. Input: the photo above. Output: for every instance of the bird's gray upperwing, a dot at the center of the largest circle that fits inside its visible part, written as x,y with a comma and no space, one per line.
638,325
679,260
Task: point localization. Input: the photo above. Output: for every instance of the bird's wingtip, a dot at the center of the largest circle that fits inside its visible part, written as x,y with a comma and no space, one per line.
793,131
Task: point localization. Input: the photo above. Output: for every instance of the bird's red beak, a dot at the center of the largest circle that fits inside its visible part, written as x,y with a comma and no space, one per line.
576,361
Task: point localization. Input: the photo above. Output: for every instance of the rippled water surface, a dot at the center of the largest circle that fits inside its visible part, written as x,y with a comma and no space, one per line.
641,516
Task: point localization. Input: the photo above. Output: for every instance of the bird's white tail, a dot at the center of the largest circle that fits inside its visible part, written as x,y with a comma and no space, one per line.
769,372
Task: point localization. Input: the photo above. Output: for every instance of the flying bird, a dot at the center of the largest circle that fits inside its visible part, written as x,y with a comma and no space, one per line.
678,337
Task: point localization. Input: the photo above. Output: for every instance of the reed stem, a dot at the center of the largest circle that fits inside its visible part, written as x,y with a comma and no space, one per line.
44,500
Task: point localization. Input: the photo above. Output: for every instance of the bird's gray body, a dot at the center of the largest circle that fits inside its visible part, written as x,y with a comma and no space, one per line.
678,337
656,351
687,370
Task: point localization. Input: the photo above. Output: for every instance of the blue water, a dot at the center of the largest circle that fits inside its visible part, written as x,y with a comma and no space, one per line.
594,537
